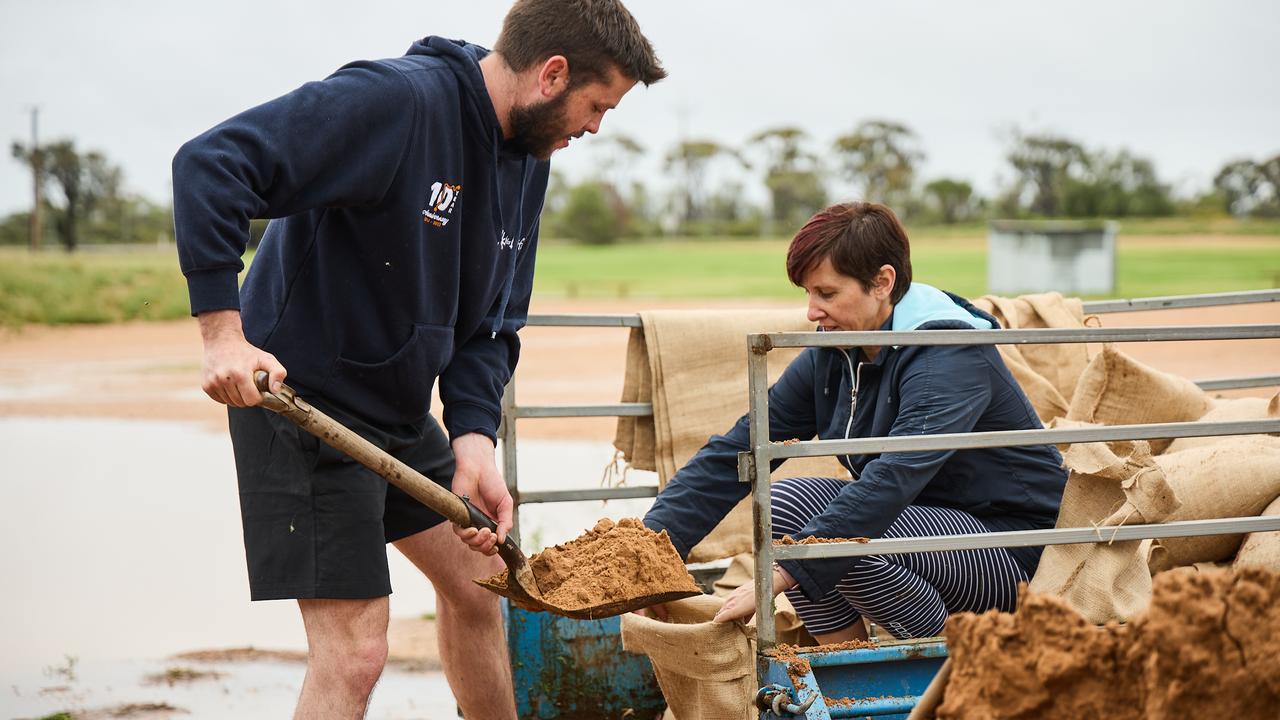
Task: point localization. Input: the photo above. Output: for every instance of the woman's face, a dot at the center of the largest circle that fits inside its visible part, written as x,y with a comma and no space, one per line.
839,302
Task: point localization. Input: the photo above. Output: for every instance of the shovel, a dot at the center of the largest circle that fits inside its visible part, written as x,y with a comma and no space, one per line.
457,510
521,587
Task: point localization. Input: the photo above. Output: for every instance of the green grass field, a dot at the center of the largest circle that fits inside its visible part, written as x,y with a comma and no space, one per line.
90,287
1154,258
740,269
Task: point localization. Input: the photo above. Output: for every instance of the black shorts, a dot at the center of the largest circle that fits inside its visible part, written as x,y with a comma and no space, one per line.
316,522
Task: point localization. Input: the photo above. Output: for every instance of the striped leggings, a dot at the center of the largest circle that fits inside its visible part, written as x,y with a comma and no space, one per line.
908,595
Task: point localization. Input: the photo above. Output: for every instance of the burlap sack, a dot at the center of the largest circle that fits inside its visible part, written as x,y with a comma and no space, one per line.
692,365
634,436
1047,373
706,670
1109,483
1261,549
1233,477
1115,389
1231,410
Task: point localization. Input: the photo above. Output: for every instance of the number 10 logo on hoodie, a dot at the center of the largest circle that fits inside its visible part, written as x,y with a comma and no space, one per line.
443,197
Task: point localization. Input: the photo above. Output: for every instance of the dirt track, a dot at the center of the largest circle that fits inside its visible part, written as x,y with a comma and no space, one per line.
151,370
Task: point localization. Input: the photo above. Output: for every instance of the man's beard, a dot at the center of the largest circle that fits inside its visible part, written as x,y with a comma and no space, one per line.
537,129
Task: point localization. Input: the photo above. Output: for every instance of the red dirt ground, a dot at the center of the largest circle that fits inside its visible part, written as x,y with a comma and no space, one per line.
151,370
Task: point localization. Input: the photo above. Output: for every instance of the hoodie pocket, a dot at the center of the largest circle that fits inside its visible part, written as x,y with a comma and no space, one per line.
396,390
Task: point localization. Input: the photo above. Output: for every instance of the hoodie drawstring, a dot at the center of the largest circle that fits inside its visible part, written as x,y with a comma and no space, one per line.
516,240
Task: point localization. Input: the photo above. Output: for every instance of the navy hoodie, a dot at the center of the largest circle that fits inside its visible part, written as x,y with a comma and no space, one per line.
402,242
910,390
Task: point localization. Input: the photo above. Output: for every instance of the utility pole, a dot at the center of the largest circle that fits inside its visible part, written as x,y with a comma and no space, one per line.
36,172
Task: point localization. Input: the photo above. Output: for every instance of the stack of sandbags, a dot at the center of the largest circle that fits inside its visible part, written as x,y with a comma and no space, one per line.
1261,549
1236,476
1109,484
1231,476
706,669
1198,479
1115,389
1233,410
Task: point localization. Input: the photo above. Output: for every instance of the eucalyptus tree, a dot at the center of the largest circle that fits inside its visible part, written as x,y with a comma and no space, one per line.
880,158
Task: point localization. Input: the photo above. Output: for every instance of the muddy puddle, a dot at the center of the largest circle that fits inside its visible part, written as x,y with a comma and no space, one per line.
123,548
139,689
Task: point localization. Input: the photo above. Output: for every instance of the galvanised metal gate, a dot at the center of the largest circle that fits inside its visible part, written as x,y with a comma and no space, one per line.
511,411
763,452
887,682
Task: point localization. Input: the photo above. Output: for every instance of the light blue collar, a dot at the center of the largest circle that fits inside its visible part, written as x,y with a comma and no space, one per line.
924,303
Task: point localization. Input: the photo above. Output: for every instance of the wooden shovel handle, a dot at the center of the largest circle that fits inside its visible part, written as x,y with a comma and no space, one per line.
285,402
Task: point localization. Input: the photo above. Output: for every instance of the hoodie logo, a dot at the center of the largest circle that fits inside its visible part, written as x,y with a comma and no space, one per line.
506,243
443,197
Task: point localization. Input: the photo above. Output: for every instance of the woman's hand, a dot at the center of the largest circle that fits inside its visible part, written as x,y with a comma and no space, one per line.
741,603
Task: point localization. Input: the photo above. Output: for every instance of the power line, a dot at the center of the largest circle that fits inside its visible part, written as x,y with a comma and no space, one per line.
35,179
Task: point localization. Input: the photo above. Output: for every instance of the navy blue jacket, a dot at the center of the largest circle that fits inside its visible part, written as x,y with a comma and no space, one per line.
402,242
913,390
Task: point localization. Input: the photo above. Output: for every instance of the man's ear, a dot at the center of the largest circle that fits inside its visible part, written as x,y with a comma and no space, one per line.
553,76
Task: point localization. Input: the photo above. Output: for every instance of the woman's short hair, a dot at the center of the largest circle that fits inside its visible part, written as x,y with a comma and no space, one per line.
859,238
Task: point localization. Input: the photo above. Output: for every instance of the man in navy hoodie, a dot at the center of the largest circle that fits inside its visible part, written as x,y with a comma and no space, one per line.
404,196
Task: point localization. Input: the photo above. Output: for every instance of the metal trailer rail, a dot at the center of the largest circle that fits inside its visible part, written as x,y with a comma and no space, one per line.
543,641
887,682
511,411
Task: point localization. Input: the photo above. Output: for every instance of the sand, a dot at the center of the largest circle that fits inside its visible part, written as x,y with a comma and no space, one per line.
609,564
788,540
1208,646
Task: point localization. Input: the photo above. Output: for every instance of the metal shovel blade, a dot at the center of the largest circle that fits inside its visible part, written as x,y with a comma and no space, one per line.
501,586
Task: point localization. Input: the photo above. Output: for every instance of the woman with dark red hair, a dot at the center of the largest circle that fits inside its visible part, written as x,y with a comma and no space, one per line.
854,262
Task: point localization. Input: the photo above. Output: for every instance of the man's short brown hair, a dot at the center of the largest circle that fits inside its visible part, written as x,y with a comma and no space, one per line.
593,35
859,238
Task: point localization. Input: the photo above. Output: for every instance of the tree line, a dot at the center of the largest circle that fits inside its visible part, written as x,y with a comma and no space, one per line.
83,201
705,191
1048,176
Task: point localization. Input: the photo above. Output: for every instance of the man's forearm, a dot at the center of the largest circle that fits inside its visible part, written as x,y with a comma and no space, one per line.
218,325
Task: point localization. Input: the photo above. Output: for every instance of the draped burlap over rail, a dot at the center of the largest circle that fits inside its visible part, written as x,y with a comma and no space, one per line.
692,365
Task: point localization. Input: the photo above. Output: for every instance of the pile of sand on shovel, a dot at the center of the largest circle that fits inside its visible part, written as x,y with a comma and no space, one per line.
605,570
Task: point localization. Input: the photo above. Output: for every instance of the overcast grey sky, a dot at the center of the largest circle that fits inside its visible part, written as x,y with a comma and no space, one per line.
1189,84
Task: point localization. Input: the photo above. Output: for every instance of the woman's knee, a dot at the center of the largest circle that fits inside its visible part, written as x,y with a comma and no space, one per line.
793,502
